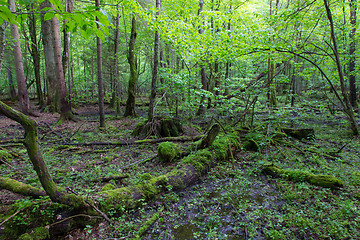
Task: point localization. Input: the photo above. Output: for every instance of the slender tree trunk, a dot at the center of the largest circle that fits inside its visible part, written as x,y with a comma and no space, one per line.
271,73
352,86
130,103
11,84
346,103
155,69
20,77
2,41
203,76
100,74
66,53
116,57
35,54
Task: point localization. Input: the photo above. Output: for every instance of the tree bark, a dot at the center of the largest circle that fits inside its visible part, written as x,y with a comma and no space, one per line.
352,49
35,54
130,103
11,84
155,68
52,99
2,41
20,77
100,74
35,155
52,43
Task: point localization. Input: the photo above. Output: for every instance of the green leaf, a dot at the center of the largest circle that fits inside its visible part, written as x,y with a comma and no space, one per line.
49,15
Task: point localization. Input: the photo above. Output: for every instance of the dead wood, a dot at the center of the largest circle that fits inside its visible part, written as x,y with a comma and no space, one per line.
20,188
150,141
107,179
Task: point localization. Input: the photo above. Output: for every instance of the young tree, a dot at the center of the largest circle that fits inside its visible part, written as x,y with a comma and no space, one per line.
204,81
100,74
346,102
352,49
130,103
155,68
20,77
35,54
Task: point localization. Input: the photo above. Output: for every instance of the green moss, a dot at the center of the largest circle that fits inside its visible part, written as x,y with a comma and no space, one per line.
107,187
223,145
327,181
199,160
40,233
117,198
146,176
148,223
168,151
25,236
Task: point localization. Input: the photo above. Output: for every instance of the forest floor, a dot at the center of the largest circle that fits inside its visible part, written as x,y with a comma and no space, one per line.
235,200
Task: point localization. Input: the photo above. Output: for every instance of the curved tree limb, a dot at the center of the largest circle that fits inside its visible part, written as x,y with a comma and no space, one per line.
35,155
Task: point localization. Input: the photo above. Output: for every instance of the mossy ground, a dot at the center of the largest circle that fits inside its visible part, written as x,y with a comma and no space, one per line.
234,200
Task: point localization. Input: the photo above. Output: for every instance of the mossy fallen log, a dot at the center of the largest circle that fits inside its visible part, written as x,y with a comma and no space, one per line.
326,181
20,188
190,169
168,151
302,133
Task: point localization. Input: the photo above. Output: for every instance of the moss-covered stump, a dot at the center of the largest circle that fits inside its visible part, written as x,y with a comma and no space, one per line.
189,171
302,133
326,181
20,188
168,151
161,127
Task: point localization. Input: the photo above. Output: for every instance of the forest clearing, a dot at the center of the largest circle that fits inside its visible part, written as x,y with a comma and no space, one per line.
163,119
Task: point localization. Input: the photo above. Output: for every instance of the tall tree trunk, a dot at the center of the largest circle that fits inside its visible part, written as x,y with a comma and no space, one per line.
20,77
35,54
203,76
100,74
155,69
52,99
130,103
11,84
271,72
2,41
65,107
66,53
352,60
348,110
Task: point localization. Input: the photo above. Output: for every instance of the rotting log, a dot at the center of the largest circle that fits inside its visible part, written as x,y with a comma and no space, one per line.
189,170
144,141
20,188
302,133
35,155
326,181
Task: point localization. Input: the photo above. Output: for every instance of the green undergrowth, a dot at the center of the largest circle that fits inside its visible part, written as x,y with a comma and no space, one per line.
233,200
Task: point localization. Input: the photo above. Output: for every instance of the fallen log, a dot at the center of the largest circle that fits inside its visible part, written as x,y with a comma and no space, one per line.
21,188
190,169
326,181
150,141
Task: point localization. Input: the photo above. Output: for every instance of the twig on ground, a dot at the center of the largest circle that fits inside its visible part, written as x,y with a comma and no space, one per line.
94,207
10,217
